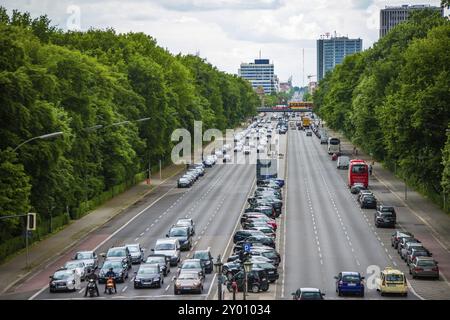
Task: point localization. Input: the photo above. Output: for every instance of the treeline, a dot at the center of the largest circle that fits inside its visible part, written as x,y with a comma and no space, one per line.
74,82
393,100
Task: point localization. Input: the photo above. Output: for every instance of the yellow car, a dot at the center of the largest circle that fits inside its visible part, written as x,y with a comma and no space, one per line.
392,281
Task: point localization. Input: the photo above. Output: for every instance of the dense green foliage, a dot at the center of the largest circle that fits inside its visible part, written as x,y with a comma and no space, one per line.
393,100
70,81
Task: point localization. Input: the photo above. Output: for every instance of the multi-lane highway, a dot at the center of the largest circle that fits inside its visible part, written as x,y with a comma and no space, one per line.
322,230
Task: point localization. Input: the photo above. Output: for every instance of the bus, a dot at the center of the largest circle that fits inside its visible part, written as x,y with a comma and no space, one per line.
334,145
358,172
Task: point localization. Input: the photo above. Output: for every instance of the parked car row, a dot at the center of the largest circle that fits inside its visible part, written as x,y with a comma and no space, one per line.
194,172
255,242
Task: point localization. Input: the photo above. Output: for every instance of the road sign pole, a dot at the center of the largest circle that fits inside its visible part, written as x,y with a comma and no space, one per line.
26,244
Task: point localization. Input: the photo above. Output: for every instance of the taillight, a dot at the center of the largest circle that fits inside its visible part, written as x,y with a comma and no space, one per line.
435,269
418,269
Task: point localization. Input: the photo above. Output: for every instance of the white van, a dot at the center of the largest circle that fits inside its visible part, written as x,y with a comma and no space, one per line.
334,145
342,162
170,247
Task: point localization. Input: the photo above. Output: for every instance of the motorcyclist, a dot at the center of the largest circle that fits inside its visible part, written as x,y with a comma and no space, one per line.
112,275
92,276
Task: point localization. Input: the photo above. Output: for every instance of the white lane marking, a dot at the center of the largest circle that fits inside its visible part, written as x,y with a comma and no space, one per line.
81,291
147,229
390,257
167,288
136,239
132,279
124,289
152,225
141,234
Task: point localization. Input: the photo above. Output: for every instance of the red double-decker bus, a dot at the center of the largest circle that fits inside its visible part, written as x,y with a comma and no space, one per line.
358,172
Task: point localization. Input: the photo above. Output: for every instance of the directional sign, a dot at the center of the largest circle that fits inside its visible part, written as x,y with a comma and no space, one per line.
247,247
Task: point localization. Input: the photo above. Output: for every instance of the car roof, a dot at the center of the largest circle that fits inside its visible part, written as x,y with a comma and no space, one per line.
86,251
344,273
191,260
389,270
148,265
167,240
425,258
201,251
133,245
309,290
122,248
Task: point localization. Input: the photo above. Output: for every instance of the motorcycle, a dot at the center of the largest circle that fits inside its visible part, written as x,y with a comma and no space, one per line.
110,285
91,288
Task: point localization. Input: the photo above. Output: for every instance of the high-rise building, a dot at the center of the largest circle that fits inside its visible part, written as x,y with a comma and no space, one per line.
393,15
331,52
260,74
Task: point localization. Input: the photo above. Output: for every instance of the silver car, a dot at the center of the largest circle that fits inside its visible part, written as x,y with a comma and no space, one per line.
136,251
424,267
78,266
89,258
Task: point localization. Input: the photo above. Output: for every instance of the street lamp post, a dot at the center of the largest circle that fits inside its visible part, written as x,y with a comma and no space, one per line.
218,268
45,136
247,270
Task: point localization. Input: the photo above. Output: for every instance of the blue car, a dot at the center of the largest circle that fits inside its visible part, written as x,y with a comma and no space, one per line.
349,282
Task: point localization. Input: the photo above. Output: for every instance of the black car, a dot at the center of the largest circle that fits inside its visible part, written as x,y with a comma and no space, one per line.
162,260
184,236
271,270
265,201
307,294
267,210
241,235
357,187
251,215
368,202
119,253
206,258
385,217
257,281
149,276
273,255
231,268
120,270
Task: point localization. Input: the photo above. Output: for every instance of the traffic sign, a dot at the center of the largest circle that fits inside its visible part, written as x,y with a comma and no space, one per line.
247,247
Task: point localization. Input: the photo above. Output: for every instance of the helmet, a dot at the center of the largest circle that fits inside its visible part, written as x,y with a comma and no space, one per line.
111,269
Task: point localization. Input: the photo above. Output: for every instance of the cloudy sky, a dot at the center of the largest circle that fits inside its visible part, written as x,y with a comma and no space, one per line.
226,32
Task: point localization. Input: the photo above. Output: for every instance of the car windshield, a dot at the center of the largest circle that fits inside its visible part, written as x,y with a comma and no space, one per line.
387,209
133,248
156,260
394,277
73,265
334,141
311,295
359,168
426,263
269,254
84,255
61,275
178,232
112,264
184,222
387,214
147,270
201,255
191,265
351,278
116,253
188,276
165,246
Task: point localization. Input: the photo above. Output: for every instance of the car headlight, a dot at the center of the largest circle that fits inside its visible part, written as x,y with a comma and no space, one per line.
208,262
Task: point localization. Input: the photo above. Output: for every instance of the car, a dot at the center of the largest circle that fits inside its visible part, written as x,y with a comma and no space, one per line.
424,267
271,270
206,258
385,217
89,258
342,162
219,153
263,239
267,230
408,247
260,148
391,281
397,236
267,182
251,217
226,158
188,282
149,276
368,202
256,224
191,265
266,200
78,266
247,150
62,280
187,222
238,148
357,187
231,268
162,260
120,270
268,210
169,248
362,193
208,163
349,282
269,253
184,236
308,294
417,252
136,251
403,242
241,235
308,133
256,281
119,253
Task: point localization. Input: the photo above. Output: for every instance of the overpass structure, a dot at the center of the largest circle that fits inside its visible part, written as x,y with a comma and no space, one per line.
269,109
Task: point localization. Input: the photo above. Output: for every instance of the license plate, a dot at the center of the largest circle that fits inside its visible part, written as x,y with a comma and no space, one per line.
427,270
352,284
271,272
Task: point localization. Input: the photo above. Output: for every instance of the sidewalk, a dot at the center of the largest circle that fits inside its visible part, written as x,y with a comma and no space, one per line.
427,212
40,253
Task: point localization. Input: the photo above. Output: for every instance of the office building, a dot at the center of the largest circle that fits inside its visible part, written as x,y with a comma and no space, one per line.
260,74
393,15
331,52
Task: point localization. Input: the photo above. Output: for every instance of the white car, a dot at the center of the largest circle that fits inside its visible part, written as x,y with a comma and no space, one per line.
260,149
246,149
226,158
238,148
89,258
62,280
251,144
226,147
218,153
77,265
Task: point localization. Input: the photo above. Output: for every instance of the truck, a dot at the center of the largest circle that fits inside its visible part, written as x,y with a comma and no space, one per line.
306,122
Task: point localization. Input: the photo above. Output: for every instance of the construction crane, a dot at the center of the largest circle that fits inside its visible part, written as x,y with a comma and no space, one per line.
310,76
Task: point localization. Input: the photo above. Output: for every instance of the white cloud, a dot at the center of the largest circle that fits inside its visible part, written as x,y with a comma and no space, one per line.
228,32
